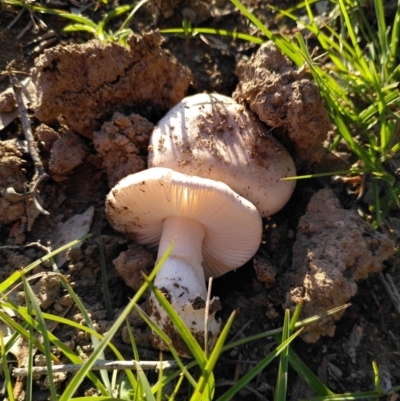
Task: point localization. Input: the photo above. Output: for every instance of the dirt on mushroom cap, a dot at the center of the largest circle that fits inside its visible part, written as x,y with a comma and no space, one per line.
212,136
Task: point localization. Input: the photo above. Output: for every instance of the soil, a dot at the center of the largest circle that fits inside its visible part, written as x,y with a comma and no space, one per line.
96,107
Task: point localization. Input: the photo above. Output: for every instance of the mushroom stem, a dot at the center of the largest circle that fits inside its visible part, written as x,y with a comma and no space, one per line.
182,278
184,266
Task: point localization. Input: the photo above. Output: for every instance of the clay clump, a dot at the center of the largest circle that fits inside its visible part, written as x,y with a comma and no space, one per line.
80,84
67,153
132,263
123,144
283,95
334,249
11,177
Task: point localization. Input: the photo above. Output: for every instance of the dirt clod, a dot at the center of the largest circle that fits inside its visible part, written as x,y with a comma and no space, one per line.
67,153
7,102
132,263
46,291
334,249
46,136
80,84
265,271
283,95
11,176
123,144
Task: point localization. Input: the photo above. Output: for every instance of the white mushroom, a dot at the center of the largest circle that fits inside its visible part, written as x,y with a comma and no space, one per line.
215,230
214,137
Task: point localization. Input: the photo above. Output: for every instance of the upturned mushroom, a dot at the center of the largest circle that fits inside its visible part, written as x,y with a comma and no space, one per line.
215,230
212,136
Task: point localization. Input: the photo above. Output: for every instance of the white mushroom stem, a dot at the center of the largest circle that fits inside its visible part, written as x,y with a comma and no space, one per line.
182,275
184,265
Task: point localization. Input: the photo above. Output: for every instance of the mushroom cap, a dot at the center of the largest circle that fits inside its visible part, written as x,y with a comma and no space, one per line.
212,136
140,202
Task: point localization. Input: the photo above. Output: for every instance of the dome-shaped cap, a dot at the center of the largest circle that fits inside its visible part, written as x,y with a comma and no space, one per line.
212,136
140,202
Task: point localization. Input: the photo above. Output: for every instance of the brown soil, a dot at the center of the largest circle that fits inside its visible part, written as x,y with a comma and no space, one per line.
99,103
284,96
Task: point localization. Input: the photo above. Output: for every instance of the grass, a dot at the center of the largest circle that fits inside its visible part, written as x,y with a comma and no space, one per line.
194,378
357,72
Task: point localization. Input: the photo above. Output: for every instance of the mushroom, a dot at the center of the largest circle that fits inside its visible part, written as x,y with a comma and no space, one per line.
212,136
215,230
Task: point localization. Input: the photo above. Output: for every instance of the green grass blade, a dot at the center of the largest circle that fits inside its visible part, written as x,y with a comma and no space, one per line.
177,387
116,12
7,283
205,388
377,383
144,383
131,15
43,331
134,384
95,398
350,31
257,369
29,379
78,378
214,31
395,38
168,342
95,339
23,333
79,28
281,381
366,395
307,375
382,32
299,324
6,372
295,317
79,19
284,44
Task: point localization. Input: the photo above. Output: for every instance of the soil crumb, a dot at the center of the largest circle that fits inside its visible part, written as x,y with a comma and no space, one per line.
123,144
334,249
46,291
131,265
283,95
12,178
78,85
46,136
67,153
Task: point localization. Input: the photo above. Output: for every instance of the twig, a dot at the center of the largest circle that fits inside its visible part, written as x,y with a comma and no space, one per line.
37,244
391,290
40,175
28,26
16,18
99,365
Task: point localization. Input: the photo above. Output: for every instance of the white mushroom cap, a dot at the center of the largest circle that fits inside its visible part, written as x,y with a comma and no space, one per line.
139,204
212,136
